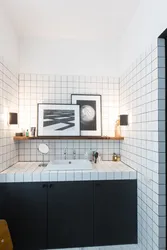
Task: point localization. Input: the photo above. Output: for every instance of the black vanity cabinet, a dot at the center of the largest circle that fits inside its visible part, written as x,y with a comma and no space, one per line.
70,214
24,207
115,212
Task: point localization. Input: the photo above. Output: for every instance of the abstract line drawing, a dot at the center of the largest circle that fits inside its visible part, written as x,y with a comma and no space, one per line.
58,120
56,117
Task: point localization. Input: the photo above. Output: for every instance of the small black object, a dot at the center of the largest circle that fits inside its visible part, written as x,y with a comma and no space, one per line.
18,134
13,118
96,156
123,120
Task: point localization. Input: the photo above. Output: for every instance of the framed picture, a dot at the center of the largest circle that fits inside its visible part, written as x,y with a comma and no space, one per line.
90,111
58,119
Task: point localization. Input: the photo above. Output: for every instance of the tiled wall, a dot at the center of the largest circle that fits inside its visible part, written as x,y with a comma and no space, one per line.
35,89
8,103
142,96
161,60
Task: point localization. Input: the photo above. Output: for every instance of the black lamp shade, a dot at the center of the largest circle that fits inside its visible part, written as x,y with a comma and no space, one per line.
123,120
13,118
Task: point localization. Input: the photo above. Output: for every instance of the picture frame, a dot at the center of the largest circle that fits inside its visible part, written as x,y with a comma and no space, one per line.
90,112
58,119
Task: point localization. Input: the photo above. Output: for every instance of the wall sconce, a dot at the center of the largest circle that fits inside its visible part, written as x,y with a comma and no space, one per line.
123,120
13,120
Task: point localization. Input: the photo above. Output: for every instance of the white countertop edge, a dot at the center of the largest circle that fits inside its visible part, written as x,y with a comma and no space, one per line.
30,172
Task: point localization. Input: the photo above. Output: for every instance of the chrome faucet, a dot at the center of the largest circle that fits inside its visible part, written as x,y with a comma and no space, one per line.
74,154
65,153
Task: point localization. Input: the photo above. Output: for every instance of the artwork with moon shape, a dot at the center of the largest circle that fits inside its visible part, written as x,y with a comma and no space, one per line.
90,112
58,120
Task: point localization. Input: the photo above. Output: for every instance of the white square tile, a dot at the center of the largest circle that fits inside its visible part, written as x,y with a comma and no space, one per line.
18,177
125,175
161,42
86,175
161,51
3,178
69,175
10,177
110,175
36,177
45,176
27,177
78,175
53,176
61,176
117,175
94,175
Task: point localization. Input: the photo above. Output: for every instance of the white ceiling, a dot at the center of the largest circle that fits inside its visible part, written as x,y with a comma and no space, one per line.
71,19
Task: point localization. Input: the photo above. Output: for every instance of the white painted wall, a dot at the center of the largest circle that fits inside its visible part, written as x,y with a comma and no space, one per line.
68,57
85,57
148,22
70,37
9,46
98,56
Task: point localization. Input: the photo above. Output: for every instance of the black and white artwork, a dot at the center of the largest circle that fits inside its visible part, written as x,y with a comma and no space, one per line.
90,112
58,120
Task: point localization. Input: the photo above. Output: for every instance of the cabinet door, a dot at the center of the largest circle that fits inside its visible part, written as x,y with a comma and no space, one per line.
115,212
24,207
70,214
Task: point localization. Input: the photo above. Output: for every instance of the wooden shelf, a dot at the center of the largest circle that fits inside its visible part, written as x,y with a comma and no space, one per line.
23,138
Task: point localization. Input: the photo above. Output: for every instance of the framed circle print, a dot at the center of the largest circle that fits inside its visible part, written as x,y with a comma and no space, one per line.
90,113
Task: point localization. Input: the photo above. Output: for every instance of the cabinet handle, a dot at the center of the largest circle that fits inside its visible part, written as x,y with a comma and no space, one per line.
50,185
44,185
